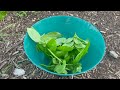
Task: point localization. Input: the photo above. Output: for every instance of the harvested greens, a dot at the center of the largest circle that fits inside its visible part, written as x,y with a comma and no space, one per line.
65,53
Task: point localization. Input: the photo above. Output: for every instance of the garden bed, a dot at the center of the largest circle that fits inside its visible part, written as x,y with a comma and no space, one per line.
13,29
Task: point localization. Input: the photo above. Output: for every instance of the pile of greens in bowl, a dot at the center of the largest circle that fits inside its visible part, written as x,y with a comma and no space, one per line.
65,53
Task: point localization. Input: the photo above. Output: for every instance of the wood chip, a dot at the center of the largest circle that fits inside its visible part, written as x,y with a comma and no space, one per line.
15,52
103,32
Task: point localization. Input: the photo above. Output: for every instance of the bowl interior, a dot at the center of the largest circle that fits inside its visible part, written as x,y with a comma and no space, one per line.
67,25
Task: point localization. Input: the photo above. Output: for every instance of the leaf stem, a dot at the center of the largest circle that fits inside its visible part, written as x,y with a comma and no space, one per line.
54,55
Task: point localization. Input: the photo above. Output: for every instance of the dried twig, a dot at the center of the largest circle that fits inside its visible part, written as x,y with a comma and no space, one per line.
15,63
2,61
6,68
2,64
14,46
10,25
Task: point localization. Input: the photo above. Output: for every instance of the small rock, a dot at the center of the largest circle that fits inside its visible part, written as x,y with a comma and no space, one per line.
19,72
114,54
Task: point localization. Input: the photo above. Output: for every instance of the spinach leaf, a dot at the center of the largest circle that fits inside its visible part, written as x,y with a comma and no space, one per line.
77,68
54,61
80,45
87,47
67,58
49,36
70,44
54,35
40,47
34,35
60,53
83,41
77,41
60,41
65,48
69,40
54,55
52,45
60,68
81,54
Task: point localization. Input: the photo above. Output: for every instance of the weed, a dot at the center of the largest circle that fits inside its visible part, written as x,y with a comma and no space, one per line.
21,14
3,14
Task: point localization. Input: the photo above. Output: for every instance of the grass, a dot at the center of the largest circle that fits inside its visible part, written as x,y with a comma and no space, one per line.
21,14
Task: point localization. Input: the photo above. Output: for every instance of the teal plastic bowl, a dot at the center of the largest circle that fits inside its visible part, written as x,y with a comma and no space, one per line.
68,26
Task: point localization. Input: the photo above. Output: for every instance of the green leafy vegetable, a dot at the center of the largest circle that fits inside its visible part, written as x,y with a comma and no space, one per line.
70,44
34,35
54,61
77,68
81,54
52,45
53,35
55,55
60,41
77,41
67,57
60,53
65,48
61,68
65,53
69,40
49,36
79,45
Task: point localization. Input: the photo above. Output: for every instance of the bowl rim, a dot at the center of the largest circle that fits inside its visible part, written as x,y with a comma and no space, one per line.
66,74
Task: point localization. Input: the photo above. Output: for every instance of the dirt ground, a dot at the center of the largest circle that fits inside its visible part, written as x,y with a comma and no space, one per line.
11,44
